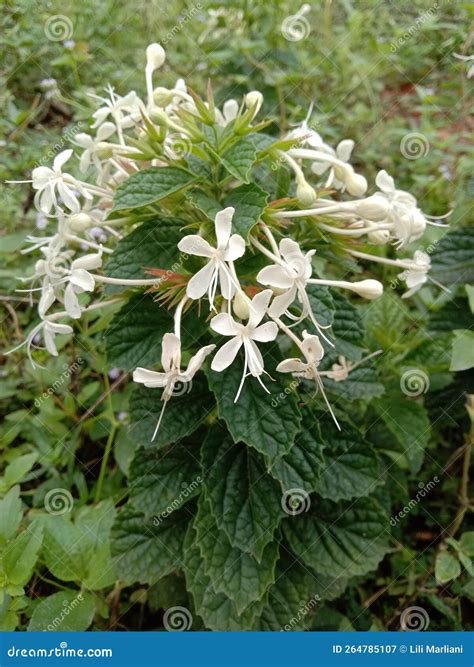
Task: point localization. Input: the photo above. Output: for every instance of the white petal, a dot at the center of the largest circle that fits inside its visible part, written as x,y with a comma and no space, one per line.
105,131
199,283
223,224
291,366
197,361
150,379
225,325
196,245
85,161
254,358
170,351
344,150
46,301
71,303
69,197
385,182
276,276
83,279
91,261
290,250
230,110
265,332
227,286
282,302
40,176
259,307
58,328
226,355
45,199
312,348
49,343
235,248
83,140
61,159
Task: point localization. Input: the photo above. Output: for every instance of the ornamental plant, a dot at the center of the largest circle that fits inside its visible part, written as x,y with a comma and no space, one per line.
229,263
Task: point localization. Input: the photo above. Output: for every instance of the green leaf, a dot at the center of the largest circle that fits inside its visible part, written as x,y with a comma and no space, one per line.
339,539
239,159
249,202
463,351
62,549
66,611
453,315
134,336
151,245
350,468
183,413
233,572
11,513
322,304
18,468
466,543
162,481
347,328
291,598
216,609
268,422
300,468
245,500
408,423
146,552
204,202
387,318
452,260
149,186
447,567
20,557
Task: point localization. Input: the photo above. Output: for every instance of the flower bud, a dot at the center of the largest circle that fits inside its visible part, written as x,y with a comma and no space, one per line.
104,149
378,236
305,194
373,208
155,56
368,289
241,306
356,184
159,117
254,101
79,222
162,96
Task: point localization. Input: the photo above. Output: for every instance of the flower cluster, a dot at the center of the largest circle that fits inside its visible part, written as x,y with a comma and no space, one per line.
129,134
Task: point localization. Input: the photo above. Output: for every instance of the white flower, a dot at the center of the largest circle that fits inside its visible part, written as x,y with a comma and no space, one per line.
172,373
122,109
49,181
91,145
417,275
229,248
289,279
407,219
228,114
246,336
313,352
49,330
